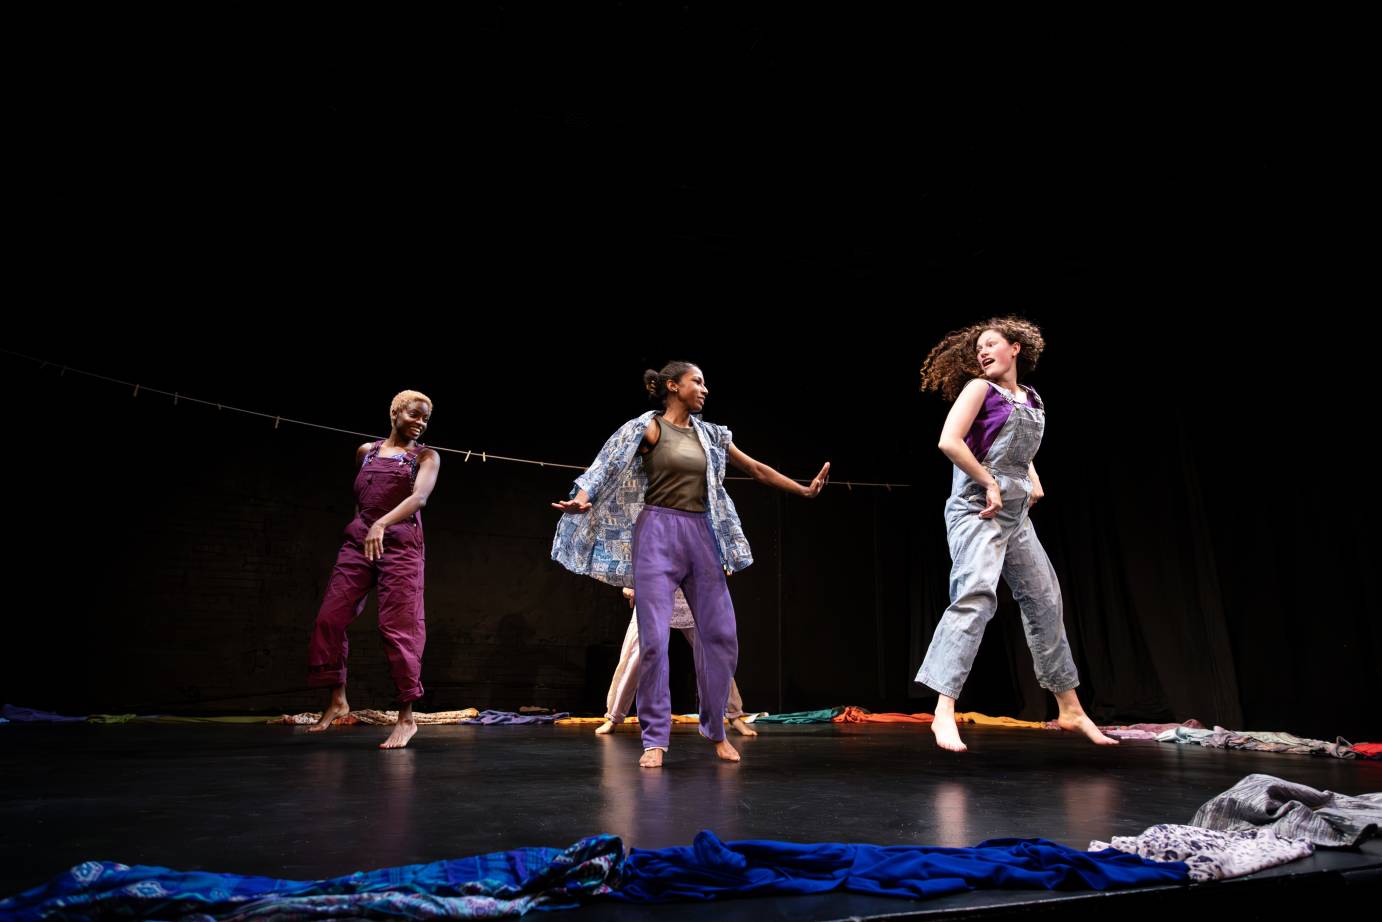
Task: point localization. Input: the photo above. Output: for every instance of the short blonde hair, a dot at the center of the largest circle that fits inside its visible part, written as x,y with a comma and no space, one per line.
403,398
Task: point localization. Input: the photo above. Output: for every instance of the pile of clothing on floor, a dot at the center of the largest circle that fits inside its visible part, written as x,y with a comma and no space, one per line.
1260,822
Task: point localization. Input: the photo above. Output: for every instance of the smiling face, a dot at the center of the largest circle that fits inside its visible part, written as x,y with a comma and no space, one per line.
690,389
996,355
410,422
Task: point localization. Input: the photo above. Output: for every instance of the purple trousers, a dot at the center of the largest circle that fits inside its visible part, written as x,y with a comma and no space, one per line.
674,549
398,576
381,484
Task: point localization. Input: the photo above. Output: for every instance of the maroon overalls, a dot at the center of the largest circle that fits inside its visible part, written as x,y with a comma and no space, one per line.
381,485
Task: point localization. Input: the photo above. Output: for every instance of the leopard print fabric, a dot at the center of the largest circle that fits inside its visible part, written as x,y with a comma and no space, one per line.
1208,853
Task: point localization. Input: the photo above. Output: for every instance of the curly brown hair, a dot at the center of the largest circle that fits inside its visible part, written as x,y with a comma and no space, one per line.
954,360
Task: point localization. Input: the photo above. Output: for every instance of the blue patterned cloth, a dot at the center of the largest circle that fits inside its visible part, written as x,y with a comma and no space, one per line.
599,542
711,869
514,882
482,887
29,715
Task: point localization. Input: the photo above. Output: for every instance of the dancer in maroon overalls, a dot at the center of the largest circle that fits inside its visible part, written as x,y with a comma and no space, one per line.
383,546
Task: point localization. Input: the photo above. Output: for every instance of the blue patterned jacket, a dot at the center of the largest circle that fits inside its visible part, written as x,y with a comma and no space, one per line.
599,542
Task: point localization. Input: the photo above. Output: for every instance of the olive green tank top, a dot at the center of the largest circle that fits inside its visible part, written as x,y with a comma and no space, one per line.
676,470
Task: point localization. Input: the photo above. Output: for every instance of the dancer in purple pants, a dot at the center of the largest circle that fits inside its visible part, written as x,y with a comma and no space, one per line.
652,511
383,547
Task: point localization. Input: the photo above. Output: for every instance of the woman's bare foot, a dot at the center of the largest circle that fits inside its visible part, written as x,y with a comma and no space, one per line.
402,732
727,752
742,727
947,734
943,725
1073,718
336,709
606,727
1080,723
652,758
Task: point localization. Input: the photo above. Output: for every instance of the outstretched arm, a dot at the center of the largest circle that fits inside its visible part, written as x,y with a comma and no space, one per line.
765,474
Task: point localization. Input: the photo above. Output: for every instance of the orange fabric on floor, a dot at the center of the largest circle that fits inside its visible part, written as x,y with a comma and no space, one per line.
983,720
853,715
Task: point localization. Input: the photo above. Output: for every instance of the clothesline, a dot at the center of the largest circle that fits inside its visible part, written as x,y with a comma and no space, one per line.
137,388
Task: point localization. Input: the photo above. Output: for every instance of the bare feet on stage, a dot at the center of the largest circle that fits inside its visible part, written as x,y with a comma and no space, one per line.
607,727
1082,724
727,752
742,727
337,708
652,758
403,730
943,725
1074,719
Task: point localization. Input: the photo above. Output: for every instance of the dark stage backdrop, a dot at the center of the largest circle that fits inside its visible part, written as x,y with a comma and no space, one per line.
170,558
519,229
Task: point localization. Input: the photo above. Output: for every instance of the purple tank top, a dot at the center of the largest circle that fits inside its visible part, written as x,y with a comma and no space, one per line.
992,415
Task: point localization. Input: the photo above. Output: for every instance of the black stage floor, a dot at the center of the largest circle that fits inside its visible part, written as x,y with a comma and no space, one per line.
275,801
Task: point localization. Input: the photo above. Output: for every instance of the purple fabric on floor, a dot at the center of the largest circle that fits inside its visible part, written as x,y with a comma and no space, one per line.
494,718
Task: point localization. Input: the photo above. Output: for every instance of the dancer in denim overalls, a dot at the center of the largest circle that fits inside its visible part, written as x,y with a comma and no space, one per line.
383,546
991,435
